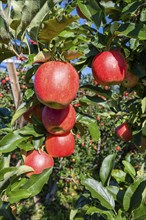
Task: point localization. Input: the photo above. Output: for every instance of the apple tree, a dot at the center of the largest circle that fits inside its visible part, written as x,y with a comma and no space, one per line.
78,94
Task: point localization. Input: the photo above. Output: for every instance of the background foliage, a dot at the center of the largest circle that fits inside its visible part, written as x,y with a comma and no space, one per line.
99,181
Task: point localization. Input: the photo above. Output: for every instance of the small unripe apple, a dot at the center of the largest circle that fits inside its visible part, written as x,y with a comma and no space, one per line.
130,80
109,67
58,121
56,84
124,132
38,160
60,145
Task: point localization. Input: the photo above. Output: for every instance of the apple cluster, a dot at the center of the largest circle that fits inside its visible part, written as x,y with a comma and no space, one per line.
110,68
56,84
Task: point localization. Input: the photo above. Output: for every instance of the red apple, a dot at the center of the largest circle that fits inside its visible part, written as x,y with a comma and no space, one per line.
56,84
109,67
35,110
38,160
124,132
1,95
130,80
7,78
58,121
118,148
60,145
3,81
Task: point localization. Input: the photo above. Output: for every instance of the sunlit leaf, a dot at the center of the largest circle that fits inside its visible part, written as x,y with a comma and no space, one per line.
52,27
92,210
16,196
106,168
36,182
128,168
127,200
91,124
21,109
4,36
11,141
119,175
99,192
133,30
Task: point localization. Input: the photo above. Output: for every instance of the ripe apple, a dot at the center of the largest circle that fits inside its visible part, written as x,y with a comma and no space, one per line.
58,121
35,110
3,81
118,148
130,80
7,78
56,84
38,160
60,145
1,95
124,132
109,67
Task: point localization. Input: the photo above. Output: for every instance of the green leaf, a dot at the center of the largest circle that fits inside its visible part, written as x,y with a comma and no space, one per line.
4,36
117,193
23,169
99,192
28,130
143,15
5,52
137,197
91,99
130,9
120,216
92,11
106,168
73,213
16,13
29,93
7,172
118,175
94,131
29,74
53,27
16,196
144,128
31,15
10,141
92,210
139,213
143,105
38,142
91,124
132,30
17,183
36,182
132,192
128,168
21,109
